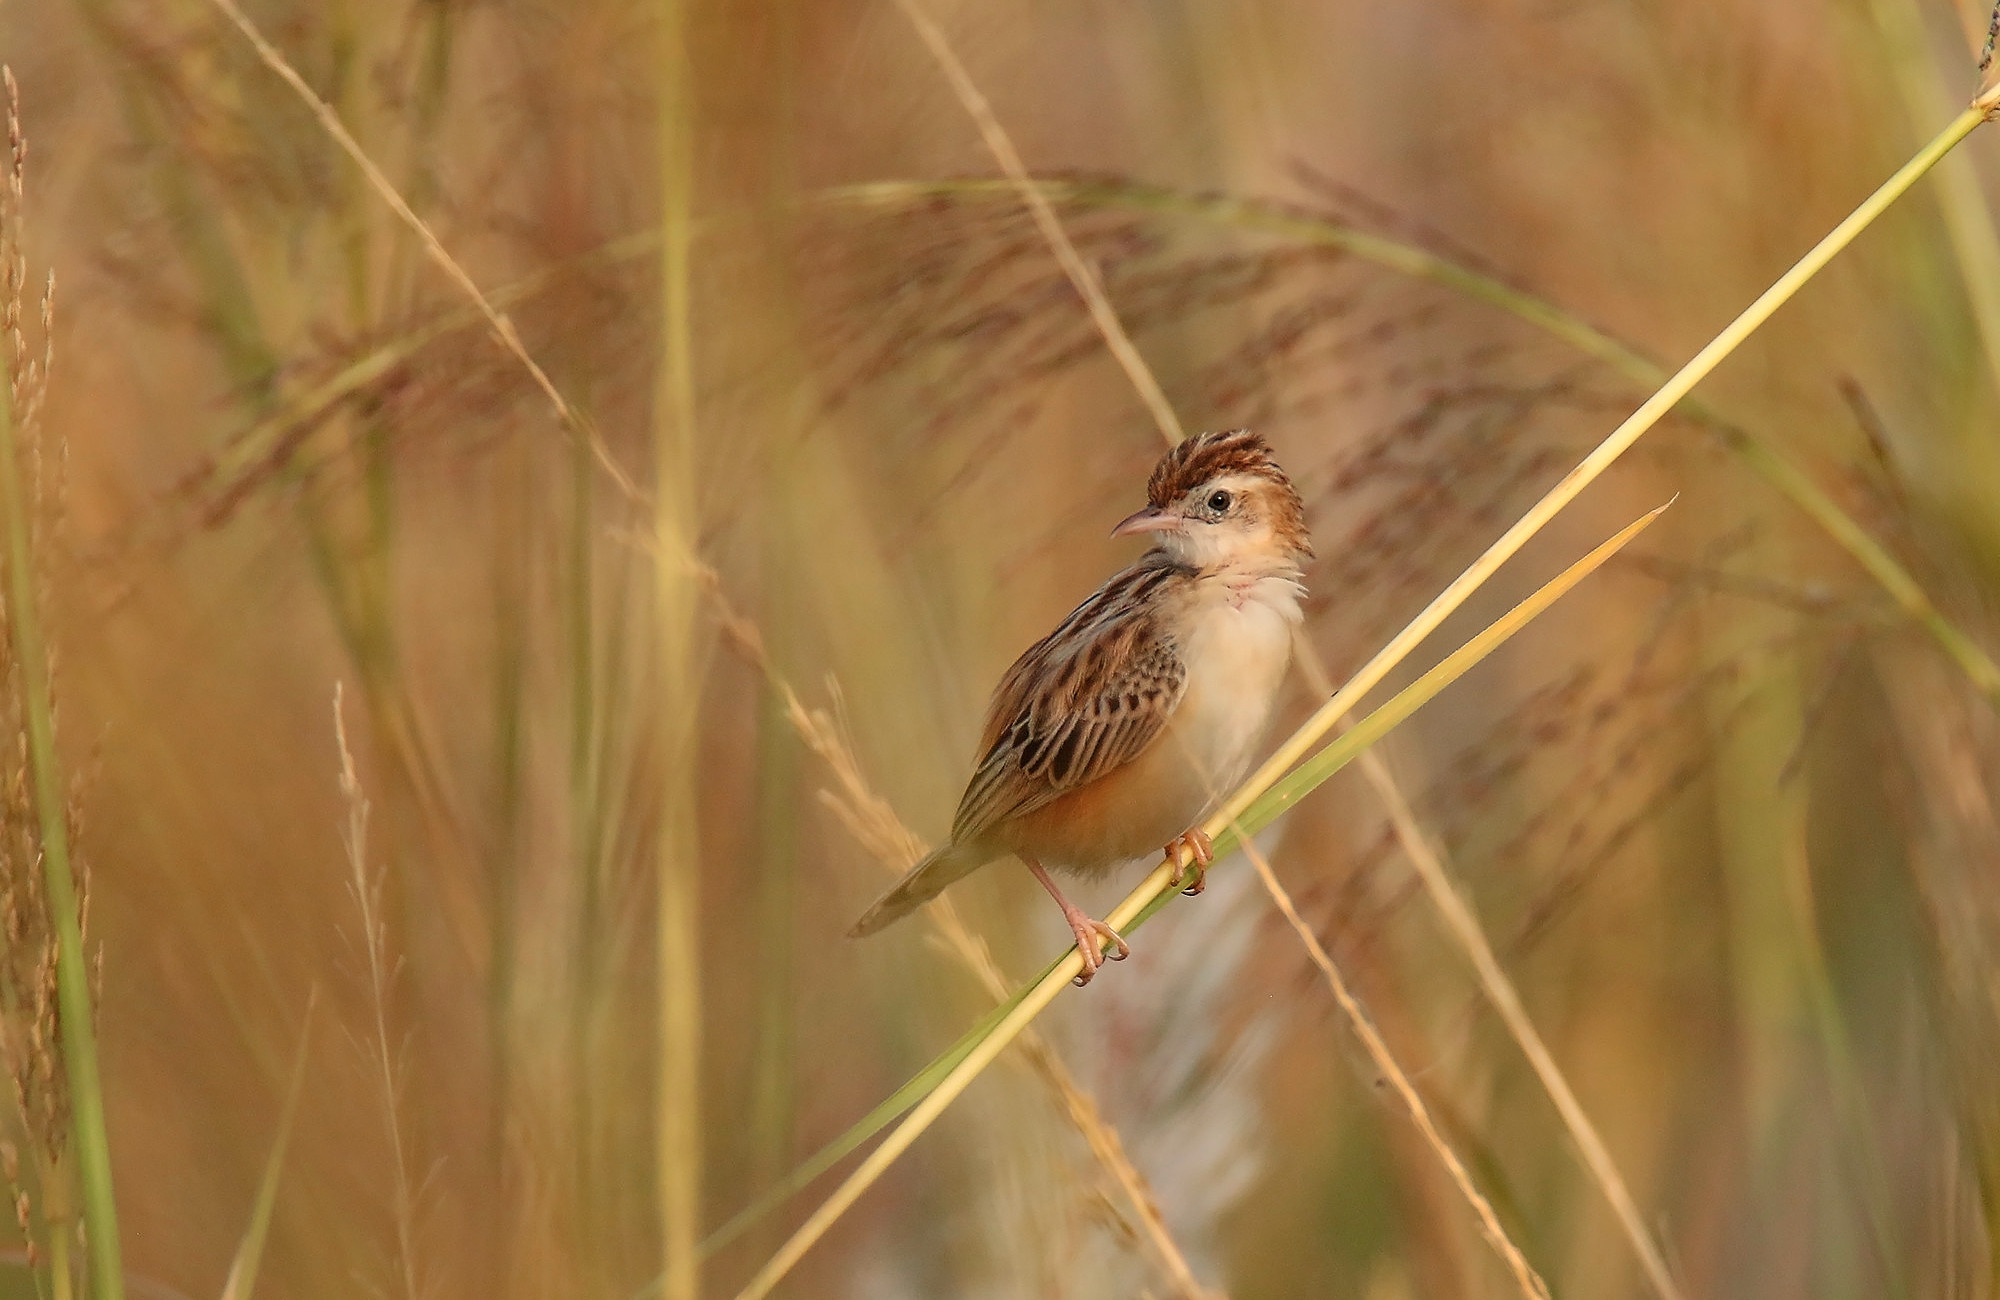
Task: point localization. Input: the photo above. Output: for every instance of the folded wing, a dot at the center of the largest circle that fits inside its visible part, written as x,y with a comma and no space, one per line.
1081,703
1078,704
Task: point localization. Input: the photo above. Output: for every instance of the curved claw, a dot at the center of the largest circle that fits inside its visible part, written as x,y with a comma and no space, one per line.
1089,936
1089,933
1194,868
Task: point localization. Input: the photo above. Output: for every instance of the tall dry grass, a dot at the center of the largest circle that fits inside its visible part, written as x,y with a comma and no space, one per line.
1727,818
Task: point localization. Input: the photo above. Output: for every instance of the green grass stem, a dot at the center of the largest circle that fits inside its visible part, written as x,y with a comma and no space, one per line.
73,996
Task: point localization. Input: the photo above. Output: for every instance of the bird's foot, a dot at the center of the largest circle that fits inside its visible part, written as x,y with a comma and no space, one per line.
1092,937
1191,872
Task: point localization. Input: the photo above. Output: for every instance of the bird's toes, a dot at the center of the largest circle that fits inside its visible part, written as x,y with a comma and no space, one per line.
1091,961
1191,872
1096,943
1192,853
1087,947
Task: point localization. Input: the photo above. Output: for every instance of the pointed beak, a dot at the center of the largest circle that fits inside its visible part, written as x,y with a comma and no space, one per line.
1150,520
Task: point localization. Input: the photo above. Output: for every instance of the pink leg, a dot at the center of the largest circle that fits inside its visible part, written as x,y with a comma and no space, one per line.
1090,935
1194,869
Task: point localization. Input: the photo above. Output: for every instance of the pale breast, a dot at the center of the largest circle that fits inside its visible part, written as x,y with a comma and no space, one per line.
1236,644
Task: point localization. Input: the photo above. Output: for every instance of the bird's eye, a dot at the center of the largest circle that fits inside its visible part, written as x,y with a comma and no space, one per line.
1218,501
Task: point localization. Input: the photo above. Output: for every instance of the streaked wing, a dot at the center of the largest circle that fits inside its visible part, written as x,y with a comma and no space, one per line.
1081,702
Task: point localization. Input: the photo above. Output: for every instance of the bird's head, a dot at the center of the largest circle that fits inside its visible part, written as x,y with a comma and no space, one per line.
1220,499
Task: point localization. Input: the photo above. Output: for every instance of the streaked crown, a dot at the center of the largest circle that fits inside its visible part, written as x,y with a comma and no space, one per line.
1233,453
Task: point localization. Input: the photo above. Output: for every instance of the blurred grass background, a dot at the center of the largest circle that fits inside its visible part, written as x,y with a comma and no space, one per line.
1727,817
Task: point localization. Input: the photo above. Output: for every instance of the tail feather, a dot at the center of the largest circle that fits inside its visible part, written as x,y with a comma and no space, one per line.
919,885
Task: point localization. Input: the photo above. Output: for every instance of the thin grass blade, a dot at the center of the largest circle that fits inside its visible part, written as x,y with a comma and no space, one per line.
250,1252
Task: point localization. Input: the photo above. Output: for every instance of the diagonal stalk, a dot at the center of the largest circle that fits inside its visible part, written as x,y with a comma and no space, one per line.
1615,445
1147,386
1267,793
1153,893
1086,281
1500,991
1525,1276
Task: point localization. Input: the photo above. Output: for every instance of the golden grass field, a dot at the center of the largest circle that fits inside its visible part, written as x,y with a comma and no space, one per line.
661,619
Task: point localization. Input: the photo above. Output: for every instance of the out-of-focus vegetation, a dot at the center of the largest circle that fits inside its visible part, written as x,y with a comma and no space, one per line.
1726,815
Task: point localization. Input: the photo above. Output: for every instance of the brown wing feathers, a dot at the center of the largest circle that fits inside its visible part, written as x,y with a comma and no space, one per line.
1109,679
1080,702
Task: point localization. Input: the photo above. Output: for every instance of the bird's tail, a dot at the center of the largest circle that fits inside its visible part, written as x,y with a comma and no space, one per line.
919,885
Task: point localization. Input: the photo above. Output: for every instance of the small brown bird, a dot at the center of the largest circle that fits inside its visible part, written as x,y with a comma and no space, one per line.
1120,731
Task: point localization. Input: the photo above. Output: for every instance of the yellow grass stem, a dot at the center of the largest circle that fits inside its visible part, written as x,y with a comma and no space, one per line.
1265,795
680,1103
1525,1276
1141,376
62,1272
1606,453
1153,892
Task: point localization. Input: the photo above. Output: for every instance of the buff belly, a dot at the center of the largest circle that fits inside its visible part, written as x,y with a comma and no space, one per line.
1236,654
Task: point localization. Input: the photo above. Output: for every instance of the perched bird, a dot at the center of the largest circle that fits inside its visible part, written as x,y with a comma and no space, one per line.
1120,731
